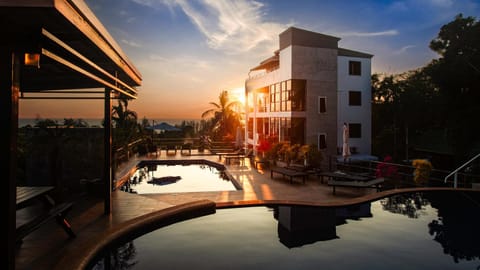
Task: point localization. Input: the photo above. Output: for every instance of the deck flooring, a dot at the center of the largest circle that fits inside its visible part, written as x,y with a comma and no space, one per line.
43,248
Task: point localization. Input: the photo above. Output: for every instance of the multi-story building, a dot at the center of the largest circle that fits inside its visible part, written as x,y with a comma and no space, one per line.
307,90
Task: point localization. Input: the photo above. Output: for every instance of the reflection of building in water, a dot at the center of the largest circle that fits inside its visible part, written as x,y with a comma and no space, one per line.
353,212
298,226
302,225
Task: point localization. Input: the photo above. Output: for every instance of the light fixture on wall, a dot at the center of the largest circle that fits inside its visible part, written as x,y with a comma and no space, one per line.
32,60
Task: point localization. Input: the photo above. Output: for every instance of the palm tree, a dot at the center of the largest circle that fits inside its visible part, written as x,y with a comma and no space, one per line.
126,126
225,119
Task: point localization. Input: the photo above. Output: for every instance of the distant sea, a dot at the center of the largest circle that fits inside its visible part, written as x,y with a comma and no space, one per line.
96,122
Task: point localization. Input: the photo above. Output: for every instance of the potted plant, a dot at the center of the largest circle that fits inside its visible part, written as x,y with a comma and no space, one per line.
421,174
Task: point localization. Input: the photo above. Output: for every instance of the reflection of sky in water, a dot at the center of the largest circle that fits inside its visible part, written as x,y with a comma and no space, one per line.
194,178
250,238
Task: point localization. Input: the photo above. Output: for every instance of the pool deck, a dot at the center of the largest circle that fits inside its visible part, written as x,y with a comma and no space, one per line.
45,247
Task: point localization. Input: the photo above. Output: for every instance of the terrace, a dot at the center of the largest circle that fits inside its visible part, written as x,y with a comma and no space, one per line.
49,248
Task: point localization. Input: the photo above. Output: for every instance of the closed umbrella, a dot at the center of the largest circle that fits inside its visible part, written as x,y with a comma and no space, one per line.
346,147
238,138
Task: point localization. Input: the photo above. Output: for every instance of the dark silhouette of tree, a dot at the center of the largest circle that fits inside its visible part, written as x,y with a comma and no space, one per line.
457,75
126,127
70,122
442,94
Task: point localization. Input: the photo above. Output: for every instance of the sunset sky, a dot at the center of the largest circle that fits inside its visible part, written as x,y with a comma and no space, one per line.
189,51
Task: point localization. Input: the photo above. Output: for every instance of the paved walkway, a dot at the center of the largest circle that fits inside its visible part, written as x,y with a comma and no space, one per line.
43,248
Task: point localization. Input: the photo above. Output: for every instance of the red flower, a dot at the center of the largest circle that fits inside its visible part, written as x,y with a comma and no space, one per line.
264,146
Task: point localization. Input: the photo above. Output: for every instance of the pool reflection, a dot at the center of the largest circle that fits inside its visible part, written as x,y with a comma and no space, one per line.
377,235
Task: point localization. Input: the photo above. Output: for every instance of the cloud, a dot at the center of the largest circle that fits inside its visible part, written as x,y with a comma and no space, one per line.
181,62
131,43
230,26
403,49
392,32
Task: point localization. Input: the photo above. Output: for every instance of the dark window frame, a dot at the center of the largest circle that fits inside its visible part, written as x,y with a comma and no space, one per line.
354,98
322,143
322,104
355,130
355,68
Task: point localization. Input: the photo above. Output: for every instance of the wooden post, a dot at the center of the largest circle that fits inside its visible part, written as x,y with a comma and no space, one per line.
9,94
107,144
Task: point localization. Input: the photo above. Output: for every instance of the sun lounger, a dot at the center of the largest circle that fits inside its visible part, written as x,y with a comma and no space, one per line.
341,179
289,173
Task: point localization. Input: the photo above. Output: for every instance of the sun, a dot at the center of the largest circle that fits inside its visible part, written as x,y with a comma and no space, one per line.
238,94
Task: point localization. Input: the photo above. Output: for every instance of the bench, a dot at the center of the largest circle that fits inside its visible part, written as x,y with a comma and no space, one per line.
59,212
27,196
290,173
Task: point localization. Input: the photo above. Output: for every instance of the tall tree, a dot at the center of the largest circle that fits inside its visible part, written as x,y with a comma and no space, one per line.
402,102
457,75
126,125
225,118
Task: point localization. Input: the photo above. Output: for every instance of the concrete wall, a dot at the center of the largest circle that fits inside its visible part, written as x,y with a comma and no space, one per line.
355,114
318,66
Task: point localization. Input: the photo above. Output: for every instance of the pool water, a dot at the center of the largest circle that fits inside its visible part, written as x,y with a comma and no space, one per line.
179,178
411,231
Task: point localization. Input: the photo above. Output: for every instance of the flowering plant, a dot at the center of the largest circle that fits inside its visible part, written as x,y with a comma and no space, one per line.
422,171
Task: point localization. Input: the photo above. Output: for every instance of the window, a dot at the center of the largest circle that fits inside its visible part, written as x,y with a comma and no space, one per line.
354,98
355,130
322,141
322,104
298,95
354,68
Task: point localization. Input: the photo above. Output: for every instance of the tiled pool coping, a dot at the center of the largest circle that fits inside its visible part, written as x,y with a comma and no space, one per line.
142,163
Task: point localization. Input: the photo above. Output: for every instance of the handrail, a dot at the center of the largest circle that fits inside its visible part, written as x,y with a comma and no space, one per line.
458,169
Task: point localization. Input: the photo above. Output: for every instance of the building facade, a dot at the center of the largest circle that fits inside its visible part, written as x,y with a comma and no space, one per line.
306,91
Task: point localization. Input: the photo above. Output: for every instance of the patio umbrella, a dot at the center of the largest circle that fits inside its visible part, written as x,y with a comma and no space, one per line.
162,127
346,147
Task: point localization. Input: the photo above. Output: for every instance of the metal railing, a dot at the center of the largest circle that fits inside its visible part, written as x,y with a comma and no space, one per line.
455,172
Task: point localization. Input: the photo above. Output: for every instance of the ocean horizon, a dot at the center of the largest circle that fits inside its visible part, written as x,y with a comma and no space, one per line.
97,122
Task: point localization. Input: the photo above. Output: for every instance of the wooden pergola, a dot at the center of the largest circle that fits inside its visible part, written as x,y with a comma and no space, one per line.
55,49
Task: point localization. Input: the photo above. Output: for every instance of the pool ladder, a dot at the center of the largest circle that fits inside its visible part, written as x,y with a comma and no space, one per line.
455,172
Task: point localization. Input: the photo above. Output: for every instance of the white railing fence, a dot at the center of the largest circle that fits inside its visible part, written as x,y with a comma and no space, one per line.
455,172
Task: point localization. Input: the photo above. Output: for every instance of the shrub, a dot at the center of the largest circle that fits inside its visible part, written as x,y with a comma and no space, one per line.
422,171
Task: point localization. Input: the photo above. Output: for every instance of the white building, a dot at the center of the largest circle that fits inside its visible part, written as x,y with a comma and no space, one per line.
307,90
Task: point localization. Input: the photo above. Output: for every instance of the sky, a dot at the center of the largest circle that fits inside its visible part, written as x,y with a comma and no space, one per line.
188,51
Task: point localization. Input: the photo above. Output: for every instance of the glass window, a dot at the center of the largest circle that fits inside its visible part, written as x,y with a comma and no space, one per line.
322,141
354,98
355,130
322,104
354,67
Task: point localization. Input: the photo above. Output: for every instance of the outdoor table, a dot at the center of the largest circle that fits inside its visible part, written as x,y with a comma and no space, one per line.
28,195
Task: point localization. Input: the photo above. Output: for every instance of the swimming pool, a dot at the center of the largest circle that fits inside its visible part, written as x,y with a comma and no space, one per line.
180,176
428,230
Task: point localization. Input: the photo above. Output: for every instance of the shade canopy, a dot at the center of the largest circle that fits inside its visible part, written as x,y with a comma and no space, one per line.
75,50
